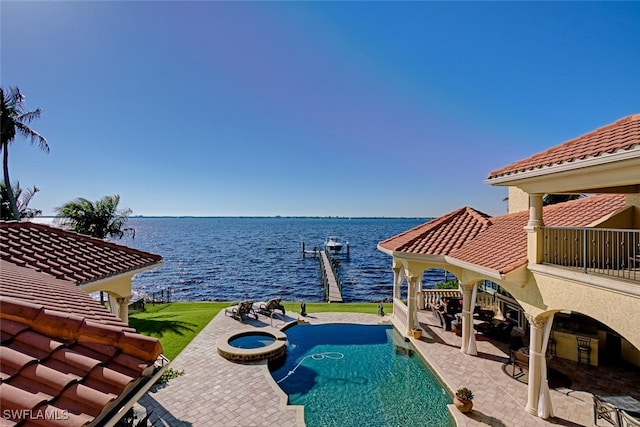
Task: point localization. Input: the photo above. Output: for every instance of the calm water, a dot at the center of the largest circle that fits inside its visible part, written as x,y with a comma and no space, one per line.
227,259
352,375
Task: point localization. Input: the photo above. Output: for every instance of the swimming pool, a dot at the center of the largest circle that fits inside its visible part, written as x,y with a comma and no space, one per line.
357,375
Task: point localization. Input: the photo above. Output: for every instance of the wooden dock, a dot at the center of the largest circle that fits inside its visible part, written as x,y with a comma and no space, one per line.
333,288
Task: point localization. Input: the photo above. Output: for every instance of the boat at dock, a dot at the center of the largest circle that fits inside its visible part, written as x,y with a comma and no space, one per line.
334,244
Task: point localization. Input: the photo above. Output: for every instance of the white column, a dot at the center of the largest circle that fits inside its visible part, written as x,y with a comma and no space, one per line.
411,303
535,361
467,290
420,301
398,276
535,211
123,309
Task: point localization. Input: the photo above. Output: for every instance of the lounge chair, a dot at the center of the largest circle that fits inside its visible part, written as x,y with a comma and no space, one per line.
267,308
244,308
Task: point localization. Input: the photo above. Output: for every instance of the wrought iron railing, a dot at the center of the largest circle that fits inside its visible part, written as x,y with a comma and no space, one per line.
604,251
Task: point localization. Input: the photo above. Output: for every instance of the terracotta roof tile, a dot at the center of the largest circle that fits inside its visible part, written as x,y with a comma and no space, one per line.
623,135
501,244
67,255
40,380
57,418
35,345
441,235
63,351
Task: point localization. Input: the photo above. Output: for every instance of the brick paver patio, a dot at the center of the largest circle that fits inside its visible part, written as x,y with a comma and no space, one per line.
216,392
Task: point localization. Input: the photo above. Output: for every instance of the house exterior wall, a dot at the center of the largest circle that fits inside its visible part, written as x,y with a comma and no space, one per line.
518,200
634,200
615,309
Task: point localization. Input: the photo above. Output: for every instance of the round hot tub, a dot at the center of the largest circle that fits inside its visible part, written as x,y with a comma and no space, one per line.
252,345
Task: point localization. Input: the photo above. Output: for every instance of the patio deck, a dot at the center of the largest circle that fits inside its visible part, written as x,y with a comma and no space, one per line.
216,392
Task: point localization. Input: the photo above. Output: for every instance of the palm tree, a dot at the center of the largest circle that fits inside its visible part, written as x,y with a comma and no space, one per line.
99,219
22,202
552,199
15,121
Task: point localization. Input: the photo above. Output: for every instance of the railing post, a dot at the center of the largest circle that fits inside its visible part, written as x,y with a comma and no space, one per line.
584,251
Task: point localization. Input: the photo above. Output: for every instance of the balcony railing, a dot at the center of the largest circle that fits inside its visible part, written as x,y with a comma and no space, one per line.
603,251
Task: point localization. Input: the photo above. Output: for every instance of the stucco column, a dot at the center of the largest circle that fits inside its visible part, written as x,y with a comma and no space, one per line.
411,302
535,361
467,310
535,211
534,234
420,296
123,309
397,281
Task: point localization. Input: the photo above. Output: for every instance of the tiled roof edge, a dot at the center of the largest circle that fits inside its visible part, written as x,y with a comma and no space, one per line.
70,327
73,234
512,169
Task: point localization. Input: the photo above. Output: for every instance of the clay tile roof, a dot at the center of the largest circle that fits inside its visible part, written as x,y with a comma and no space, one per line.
441,235
623,135
67,255
56,360
503,246
498,243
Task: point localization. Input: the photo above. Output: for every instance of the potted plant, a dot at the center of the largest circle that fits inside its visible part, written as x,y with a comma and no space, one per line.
463,399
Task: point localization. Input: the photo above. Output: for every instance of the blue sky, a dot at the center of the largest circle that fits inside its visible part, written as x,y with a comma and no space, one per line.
308,108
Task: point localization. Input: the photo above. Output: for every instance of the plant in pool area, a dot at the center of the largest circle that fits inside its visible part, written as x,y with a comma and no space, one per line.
463,400
169,374
464,394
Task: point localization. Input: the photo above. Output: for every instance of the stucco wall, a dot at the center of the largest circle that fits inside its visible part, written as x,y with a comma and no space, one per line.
518,200
615,309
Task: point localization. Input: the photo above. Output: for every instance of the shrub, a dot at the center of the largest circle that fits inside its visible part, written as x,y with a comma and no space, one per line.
464,394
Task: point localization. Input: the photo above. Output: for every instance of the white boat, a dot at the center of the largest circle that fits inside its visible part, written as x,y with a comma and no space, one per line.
333,244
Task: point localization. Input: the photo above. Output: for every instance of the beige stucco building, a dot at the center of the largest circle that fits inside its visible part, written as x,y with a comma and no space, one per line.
577,261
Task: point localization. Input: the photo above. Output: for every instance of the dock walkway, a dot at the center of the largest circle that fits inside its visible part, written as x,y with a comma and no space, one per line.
334,293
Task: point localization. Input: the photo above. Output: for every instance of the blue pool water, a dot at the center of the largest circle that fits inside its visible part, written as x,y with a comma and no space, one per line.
354,375
252,341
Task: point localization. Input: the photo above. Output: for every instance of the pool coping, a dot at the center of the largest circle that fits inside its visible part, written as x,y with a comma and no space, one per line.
272,351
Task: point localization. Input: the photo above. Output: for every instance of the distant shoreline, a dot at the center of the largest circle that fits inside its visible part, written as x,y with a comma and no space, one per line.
45,217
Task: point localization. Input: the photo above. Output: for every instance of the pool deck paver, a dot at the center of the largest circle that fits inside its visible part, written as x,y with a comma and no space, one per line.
216,392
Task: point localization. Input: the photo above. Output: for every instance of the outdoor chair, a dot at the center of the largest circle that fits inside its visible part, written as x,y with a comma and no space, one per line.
584,351
238,312
626,420
267,308
444,319
519,360
605,411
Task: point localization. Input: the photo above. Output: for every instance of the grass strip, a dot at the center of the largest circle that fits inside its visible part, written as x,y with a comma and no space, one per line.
177,323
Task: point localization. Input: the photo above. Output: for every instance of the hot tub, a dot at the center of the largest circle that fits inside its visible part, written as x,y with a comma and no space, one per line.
251,345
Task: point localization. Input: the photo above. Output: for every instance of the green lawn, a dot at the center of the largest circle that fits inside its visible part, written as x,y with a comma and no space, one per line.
177,323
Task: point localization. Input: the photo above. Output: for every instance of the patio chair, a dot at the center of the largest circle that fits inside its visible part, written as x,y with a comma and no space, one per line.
519,360
605,411
626,420
244,308
267,308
